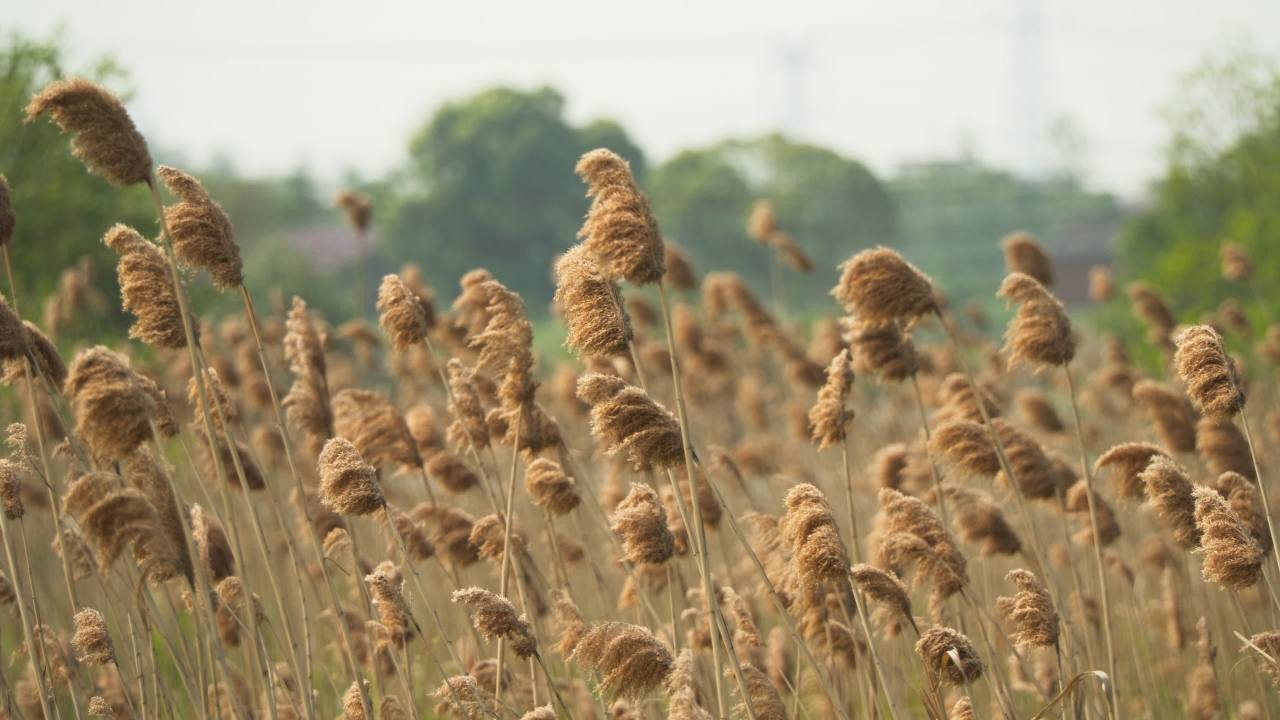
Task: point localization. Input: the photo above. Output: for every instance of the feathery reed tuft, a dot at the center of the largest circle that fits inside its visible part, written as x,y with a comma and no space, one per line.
935,647
146,287
625,420
1170,412
829,417
386,590
495,617
1040,331
878,286
1030,611
550,488
92,640
1170,488
883,350
592,306
1125,463
308,400
200,230
1232,557
376,428
113,405
619,229
106,140
641,522
1209,373
401,314
817,552
630,660
1236,263
1023,254
348,485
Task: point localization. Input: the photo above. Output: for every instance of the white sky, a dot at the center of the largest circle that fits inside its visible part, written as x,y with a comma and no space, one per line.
277,84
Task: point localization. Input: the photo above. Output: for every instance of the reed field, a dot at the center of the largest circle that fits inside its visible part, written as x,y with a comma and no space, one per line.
701,509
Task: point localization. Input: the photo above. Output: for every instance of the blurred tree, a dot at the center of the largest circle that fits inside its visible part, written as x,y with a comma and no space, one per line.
490,183
1221,182
831,205
63,211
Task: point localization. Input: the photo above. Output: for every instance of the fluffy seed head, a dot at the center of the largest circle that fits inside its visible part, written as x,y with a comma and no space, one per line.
348,485
200,229
1232,558
146,287
495,617
883,350
1223,447
625,420
549,487
212,544
401,314
809,527
1209,373
357,207
884,587
106,140
1101,288
966,445
591,305
911,533
308,399
1040,331
113,405
376,428
829,417
1151,307
679,274
630,660
1170,412
1169,488
641,522
619,229
935,648
92,641
1245,501
878,286
386,590
1023,254
1236,264
1030,611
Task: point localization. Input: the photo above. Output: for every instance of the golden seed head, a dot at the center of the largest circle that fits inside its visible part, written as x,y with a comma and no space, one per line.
106,140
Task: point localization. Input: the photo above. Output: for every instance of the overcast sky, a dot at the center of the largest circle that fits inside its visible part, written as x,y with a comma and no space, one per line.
278,84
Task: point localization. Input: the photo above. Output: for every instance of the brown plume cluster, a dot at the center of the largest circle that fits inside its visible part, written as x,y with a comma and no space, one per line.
592,306
619,229
308,400
1151,307
357,207
936,646
348,485
911,534
114,520
1173,416
1209,373
882,350
376,428
114,406
1030,611
106,140
1124,464
879,286
809,528
92,640
1236,263
146,286
200,229
630,660
402,314
891,595
626,421
550,488
495,617
1170,491
830,416
386,589
641,522
1023,254
1040,332
1232,557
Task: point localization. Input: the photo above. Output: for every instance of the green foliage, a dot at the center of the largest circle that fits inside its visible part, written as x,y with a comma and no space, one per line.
1221,183
490,183
832,205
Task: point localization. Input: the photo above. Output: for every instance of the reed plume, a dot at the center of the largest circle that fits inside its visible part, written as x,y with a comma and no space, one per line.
1203,699
1269,643
1040,331
114,520
1030,611
978,520
1024,254
401,314
1038,411
630,660
417,546
1170,491
376,428
879,286
619,228
308,400
679,274
1236,263
106,140
357,207
386,589
934,648
1208,372
1101,287
452,531
883,350
113,405
966,445
682,690
1125,463
808,526
211,544
146,287
1243,498
550,488
910,532
1151,307
92,640
592,306
829,417
641,523
468,429
625,420
200,230
1032,470
884,587
1232,558
451,472
1223,447
143,471
48,363
495,617
1170,412
348,485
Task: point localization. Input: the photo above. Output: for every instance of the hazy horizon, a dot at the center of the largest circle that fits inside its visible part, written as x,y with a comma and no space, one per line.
273,87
